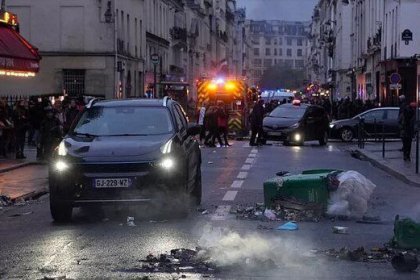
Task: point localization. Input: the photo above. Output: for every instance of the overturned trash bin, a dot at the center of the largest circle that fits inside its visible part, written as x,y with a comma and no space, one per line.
406,234
309,186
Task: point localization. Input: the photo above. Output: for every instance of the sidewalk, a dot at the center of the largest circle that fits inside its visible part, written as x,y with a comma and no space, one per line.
17,181
393,162
8,164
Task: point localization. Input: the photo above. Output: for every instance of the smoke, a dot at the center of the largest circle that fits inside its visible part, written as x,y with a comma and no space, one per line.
226,248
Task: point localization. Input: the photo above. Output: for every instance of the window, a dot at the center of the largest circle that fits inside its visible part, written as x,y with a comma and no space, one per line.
299,63
257,62
100,120
392,115
280,52
268,62
267,41
275,51
299,52
289,41
256,40
180,116
74,81
280,41
289,52
275,41
267,51
299,42
288,63
256,51
374,115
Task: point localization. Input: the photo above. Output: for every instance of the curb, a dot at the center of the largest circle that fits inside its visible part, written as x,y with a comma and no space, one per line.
19,165
381,165
31,195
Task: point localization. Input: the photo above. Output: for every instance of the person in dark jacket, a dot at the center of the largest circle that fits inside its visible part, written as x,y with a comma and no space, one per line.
50,133
20,120
256,120
408,117
70,115
211,123
222,122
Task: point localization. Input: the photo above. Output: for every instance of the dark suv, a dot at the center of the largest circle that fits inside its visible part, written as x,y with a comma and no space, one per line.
297,123
126,151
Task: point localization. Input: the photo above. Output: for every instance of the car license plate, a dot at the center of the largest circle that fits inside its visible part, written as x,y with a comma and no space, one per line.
112,183
275,133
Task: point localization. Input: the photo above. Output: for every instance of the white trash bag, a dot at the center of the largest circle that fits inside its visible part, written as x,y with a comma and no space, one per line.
352,196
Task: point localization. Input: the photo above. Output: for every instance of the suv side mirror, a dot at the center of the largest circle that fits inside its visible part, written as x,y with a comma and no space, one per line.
193,129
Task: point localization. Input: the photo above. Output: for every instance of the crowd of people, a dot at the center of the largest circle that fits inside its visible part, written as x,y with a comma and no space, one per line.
38,123
213,119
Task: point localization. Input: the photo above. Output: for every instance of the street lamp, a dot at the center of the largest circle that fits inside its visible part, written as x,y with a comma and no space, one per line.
108,13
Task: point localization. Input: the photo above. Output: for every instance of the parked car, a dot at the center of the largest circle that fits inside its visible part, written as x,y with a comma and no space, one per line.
296,123
374,120
126,151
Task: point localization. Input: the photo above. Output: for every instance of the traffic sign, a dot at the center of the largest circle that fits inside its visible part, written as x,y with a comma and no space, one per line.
155,58
395,78
395,86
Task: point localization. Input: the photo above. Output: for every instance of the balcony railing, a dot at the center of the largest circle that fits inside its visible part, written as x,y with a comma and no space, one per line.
178,33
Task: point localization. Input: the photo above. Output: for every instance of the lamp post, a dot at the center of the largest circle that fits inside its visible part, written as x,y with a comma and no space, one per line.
110,17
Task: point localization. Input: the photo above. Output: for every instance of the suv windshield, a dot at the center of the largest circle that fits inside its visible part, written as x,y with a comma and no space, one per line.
108,121
289,112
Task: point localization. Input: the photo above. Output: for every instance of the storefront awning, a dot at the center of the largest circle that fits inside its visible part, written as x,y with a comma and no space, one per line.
17,54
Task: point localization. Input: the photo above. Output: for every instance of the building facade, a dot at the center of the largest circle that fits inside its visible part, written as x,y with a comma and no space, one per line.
123,48
88,47
275,42
381,38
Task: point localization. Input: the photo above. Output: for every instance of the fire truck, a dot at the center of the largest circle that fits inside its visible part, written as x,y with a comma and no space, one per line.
233,93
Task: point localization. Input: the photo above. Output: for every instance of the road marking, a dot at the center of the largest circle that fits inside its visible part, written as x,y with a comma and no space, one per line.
222,211
249,160
254,151
237,184
230,195
246,167
252,155
242,175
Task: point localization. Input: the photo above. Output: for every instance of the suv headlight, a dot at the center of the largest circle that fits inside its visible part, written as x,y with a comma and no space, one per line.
167,163
332,125
61,166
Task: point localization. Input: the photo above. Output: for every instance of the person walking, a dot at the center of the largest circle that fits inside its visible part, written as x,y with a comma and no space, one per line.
222,122
402,104
211,123
201,122
70,115
408,117
50,133
256,120
20,121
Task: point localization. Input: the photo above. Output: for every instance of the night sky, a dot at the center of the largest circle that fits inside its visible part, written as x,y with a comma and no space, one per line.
297,10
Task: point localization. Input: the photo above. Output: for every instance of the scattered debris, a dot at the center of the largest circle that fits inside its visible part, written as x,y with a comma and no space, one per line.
292,209
405,262
358,155
250,212
269,214
370,220
205,212
288,226
161,221
130,222
20,202
263,227
185,260
5,200
340,230
210,162
21,214
56,278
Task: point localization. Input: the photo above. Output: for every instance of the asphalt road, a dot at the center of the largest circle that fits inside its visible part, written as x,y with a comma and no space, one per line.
104,247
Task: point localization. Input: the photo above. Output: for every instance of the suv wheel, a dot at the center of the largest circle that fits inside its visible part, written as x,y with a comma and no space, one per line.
324,139
346,134
61,212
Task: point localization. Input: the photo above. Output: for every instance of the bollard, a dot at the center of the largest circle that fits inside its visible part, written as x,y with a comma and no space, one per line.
383,140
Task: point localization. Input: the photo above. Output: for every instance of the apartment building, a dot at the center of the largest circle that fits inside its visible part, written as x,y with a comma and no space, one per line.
275,42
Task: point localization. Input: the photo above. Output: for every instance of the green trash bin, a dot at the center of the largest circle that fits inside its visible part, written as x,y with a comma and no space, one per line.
406,234
309,186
